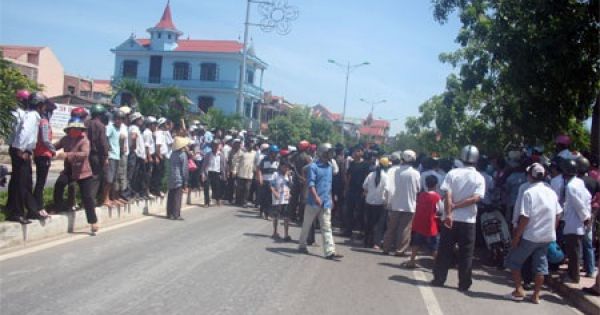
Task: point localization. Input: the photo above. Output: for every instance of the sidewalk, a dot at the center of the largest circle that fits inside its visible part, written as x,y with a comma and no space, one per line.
572,292
16,236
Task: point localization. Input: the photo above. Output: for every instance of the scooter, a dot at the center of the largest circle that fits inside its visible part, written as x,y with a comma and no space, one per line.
496,235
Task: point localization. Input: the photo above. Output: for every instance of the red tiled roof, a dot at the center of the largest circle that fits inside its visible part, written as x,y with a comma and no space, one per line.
166,21
372,131
221,46
380,123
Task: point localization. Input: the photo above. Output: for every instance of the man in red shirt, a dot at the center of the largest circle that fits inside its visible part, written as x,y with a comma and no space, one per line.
424,225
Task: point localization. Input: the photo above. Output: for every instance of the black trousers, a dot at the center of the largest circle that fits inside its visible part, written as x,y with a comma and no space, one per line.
264,194
139,175
85,188
213,183
158,173
174,202
229,189
463,234
20,188
373,213
354,216
243,190
573,252
42,166
297,201
97,165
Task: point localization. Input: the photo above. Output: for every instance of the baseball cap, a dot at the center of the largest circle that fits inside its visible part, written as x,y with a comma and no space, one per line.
409,156
536,170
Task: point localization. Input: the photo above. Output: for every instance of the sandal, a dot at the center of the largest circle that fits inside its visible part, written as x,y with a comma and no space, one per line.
409,265
591,291
534,300
514,297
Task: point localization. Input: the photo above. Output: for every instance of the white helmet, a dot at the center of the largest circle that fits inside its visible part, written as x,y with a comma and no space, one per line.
469,154
323,149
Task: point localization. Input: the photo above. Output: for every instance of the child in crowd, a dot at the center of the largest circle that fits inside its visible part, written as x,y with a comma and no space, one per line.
280,189
424,226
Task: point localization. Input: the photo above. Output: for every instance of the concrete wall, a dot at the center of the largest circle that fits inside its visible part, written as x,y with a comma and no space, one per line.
51,73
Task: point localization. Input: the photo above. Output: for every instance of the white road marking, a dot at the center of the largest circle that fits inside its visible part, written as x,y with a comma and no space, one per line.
431,302
73,238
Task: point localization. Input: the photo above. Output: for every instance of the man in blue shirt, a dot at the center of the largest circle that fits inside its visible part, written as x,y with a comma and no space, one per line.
318,202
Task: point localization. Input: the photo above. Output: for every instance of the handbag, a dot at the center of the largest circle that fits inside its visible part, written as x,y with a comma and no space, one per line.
192,167
555,253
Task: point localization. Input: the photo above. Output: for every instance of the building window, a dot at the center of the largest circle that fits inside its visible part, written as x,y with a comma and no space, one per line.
71,89
205,102
130,68
181,71
250,76
159,34
208,72
169,36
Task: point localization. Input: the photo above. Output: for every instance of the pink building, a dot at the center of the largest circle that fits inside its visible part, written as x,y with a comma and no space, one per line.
39,64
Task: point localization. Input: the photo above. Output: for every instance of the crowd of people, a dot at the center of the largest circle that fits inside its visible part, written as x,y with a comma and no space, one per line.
401,203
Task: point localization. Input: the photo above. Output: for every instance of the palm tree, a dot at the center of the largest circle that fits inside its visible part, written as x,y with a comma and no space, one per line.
170,102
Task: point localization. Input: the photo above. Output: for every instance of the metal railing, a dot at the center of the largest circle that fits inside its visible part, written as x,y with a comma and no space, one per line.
194,83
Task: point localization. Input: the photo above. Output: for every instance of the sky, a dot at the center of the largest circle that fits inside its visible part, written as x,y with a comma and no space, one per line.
399,38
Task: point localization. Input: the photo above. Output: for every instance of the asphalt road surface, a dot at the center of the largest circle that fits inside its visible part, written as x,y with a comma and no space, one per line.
223,261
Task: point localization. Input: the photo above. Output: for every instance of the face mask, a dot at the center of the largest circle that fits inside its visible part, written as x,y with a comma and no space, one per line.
75,133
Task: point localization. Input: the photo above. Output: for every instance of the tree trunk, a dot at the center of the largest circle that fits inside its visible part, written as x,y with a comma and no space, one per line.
595,145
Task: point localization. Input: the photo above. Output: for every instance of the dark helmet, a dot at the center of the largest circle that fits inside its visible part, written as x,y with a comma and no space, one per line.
97,110
583,165
36,99
568,167
118,115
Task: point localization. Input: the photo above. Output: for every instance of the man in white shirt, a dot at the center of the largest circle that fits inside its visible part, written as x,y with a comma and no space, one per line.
137,155
577,215
402,204
150,145
20,186
538,211
160,158
464,188
122,184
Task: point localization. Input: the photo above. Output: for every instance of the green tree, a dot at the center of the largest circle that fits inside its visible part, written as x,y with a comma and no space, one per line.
322,130
11,80
215,118
528,70
290,128
170,102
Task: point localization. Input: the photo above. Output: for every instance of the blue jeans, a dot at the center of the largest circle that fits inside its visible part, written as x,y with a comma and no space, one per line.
588,252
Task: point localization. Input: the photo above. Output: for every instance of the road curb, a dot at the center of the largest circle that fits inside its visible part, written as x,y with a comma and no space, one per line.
14,235
585,303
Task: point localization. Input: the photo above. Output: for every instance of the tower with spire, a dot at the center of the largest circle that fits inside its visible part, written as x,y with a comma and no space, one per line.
164,35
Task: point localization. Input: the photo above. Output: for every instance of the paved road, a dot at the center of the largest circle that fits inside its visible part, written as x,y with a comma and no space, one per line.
222,261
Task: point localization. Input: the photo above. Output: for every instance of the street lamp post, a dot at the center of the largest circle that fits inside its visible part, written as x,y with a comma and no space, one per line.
373,104
276,16
349,68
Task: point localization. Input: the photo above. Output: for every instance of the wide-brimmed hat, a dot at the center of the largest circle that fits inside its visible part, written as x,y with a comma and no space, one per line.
180,142
75,123
125,110
135,116
162,121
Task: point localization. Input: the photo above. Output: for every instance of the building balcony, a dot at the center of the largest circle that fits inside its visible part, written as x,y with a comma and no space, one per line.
249,89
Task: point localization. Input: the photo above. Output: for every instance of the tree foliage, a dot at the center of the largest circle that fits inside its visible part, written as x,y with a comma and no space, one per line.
215,118
297,125
11,80
169,102
527,71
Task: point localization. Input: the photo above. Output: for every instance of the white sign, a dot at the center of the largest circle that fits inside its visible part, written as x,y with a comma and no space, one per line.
60,119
